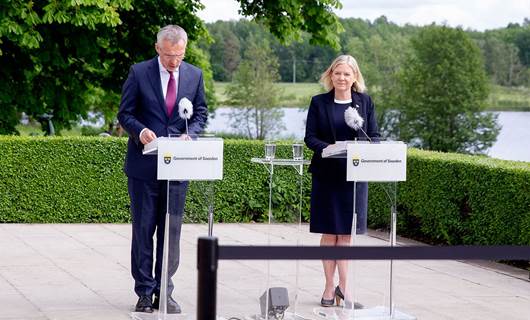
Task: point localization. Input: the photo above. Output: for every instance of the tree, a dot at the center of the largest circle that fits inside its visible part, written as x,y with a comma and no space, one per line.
224,51
381,57
38,72
286,20
502,61
442,91
254,92
52,52
522,41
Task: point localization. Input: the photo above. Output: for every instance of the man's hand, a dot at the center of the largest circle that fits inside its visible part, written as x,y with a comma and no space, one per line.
147,136
184,137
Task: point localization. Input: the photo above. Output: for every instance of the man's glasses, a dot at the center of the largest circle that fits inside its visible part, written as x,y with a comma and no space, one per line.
174,56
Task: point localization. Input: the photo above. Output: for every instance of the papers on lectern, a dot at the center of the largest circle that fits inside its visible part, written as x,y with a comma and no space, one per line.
336,149
151,147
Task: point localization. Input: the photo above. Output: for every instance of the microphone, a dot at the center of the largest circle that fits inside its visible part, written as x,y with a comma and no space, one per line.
354,120
185,110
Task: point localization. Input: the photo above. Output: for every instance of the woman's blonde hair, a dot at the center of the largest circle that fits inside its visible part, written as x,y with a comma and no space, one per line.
358,80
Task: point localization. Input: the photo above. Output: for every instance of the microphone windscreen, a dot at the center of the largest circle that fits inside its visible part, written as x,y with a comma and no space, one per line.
185,108
353,118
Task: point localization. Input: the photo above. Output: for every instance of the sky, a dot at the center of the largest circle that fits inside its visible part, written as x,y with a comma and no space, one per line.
478,15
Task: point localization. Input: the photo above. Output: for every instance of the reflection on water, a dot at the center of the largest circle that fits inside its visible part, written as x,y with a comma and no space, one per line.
513,142
293,119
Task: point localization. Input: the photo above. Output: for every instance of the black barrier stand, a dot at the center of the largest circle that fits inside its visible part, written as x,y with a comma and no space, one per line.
209,252
207,256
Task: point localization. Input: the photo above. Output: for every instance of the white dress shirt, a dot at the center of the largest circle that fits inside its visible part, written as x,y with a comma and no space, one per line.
164,79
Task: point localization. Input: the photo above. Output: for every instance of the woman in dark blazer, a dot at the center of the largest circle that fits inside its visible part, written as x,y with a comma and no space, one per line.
331,194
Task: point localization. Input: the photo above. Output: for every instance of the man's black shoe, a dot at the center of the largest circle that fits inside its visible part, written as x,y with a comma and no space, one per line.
172,305
144,304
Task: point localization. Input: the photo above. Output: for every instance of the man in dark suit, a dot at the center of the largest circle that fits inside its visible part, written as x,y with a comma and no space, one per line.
150,97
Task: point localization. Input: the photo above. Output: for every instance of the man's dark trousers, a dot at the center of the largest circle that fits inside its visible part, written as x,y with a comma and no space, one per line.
148,200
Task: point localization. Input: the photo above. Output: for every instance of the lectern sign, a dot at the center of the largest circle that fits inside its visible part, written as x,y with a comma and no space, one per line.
200,159
383,161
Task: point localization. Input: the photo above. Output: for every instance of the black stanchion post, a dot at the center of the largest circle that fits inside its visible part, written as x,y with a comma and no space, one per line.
207,256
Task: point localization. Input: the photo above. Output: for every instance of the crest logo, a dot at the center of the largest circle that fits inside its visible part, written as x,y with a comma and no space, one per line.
355,159
167,158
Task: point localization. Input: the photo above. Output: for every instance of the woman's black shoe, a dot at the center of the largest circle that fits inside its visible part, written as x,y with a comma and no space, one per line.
347,304
327,302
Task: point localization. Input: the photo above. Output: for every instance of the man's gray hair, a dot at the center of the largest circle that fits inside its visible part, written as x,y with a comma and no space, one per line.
172,33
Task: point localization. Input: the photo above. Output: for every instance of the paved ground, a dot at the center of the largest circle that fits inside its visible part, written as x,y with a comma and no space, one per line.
70,271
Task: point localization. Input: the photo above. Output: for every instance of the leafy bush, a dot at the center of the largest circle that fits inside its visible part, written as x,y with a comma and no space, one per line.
80,179
459,199
74,179
447,198
243,194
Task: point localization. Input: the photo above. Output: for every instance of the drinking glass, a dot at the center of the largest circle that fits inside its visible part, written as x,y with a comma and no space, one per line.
270,150
298,151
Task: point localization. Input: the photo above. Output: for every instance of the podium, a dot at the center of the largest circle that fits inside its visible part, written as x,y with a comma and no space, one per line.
381,161
198,159
280,293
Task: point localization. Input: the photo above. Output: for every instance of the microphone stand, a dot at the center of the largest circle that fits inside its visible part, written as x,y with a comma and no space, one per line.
367,137
186,120
361,128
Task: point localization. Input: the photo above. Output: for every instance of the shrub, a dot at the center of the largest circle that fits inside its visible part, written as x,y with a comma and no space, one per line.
78,180
56,179
459,199
447,198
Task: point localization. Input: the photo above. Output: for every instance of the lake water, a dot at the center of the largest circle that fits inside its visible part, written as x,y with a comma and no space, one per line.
513,141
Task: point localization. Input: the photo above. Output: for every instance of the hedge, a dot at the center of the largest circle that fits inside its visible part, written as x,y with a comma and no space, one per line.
461,199
447,198
80,179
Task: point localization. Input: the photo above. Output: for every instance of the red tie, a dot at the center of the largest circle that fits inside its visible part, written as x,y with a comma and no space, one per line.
171,94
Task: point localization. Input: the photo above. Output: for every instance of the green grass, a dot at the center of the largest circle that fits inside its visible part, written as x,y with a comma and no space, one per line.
509,99
293,94
220,91
29,130
34,129
299,95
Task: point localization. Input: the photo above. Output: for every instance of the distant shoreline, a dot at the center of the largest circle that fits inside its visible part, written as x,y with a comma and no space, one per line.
298,95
